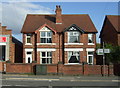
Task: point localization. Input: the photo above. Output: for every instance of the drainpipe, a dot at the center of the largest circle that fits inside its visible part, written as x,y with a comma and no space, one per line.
59,47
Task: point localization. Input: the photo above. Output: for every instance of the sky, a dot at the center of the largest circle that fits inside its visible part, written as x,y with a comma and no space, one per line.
13,13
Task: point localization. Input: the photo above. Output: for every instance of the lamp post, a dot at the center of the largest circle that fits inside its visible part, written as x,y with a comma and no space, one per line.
103,60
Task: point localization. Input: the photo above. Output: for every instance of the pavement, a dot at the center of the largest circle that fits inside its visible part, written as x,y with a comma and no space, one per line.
57,78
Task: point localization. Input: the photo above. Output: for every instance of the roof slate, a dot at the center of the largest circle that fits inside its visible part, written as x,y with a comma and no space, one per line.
35,21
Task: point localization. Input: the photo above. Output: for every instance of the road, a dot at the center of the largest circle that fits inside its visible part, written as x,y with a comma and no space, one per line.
59,82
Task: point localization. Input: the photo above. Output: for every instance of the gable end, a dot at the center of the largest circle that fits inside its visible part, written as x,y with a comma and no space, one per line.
74,27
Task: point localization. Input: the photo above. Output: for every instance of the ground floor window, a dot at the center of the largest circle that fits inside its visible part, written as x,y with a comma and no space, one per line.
46,57
90,57
2,52
73,56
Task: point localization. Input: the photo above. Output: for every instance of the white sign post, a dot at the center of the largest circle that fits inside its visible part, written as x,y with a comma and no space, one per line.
102,52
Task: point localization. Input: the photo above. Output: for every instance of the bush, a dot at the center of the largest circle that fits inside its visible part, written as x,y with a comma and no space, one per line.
114,55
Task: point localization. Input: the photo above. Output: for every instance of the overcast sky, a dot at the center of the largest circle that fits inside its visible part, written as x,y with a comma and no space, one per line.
13,12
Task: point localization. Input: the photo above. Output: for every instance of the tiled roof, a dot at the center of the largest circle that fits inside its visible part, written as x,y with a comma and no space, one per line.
115,21
35,21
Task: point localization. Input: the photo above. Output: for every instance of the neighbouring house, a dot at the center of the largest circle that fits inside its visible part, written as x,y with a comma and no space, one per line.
59,38
110,32
10,47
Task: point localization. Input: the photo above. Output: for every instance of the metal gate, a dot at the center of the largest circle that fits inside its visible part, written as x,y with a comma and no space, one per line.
41,69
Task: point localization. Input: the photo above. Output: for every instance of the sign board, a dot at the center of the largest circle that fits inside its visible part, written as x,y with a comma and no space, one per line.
106,50
100,52
3,39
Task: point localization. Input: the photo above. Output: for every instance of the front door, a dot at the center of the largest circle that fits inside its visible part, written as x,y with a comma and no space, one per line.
29,57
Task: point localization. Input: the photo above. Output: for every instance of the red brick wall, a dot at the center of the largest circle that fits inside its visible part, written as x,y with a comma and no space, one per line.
19,68
85,69
59,55
2,66
52,68
72,69
61,69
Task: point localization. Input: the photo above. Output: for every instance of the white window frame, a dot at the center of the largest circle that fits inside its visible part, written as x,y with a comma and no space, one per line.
92,57
45,57
90,36
73,55
28,36
74,35
46,37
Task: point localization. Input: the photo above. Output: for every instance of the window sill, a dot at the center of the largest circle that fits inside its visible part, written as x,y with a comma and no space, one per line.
73,64
28,44
73,44
90,63
91,44
46,43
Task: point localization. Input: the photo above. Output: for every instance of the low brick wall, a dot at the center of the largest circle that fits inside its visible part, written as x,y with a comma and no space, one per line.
72,69
59,69
2,66
86,69
52,69
96,70
19,68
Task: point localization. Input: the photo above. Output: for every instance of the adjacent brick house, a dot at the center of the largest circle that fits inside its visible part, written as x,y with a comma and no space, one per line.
10,47
110,32
59,38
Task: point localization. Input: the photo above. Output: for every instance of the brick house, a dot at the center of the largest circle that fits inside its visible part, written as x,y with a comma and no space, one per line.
110,32
10,47
59,38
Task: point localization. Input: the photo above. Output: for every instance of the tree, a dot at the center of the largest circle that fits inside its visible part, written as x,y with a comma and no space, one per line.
114,55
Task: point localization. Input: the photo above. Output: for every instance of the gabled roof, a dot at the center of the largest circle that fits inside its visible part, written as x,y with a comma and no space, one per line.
33,22
76,28
45,25
115,21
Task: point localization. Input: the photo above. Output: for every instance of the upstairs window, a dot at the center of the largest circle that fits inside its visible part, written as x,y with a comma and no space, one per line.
73,57
28,38
90,38
73,37
46,37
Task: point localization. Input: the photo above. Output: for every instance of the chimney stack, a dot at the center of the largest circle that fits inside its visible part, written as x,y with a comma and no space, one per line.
58,14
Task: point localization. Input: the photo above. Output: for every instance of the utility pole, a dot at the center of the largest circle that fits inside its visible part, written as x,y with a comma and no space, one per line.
103,60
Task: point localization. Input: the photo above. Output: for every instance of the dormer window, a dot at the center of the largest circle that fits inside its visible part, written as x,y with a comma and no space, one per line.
73,37
46,37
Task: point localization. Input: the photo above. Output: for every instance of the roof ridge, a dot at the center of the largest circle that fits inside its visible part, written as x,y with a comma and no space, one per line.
54,14
112,15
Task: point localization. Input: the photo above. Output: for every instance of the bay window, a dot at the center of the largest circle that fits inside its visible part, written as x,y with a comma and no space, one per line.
73,56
